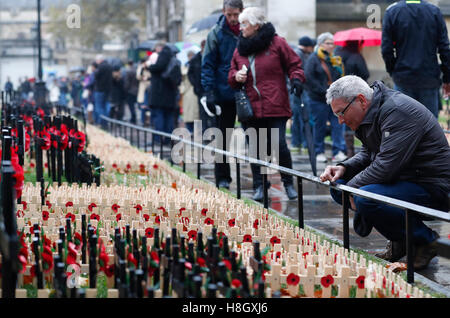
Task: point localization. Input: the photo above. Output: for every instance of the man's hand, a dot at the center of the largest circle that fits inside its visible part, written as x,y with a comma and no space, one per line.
296,87
211,102
332,173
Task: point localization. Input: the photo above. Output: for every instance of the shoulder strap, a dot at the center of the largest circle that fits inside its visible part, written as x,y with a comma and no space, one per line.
252,59
327,71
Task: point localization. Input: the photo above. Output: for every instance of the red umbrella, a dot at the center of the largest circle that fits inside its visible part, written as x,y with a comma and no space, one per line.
369,36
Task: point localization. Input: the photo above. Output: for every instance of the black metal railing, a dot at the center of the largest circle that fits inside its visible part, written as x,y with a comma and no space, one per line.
119,128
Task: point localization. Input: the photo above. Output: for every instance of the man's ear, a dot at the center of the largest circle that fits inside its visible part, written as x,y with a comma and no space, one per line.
364,102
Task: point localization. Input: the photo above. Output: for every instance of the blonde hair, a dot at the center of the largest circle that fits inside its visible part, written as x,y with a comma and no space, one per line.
254,15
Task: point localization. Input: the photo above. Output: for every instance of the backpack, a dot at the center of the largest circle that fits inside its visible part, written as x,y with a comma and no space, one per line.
172,72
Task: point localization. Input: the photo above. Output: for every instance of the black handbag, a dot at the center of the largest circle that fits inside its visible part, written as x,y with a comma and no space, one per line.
244,108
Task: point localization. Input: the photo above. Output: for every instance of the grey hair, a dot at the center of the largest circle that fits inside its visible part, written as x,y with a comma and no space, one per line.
348,87
235,4
323,37
254,15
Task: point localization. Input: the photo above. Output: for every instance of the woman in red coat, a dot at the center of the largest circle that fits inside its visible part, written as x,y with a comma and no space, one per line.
274,60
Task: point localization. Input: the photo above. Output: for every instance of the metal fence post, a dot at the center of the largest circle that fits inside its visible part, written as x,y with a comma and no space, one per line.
345,208
266,191
199,169
409,247
301,221
238,178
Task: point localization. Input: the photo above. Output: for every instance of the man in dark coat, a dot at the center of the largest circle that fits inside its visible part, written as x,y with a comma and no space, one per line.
220,45
117,96
405,156
413,31
102,89
163,93
131,85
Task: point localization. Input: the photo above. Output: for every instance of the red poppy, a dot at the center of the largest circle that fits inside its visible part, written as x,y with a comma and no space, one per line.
209,221
149,232
227,264
47,259
256,224
138,208
192,235
142,168
163,209
157,220
185,221
78,240
155,166
305,254
204,211
70,216
236,283
95,217
154,256
20,214
275,240
174,185
119,217
232,222
146,217
384,282
24,204
293,280
248,238
201,262
48,204
32,165
360,282
109,272
70,203
114,165
278,255
45,215
327,281
115,207
181,211
91,206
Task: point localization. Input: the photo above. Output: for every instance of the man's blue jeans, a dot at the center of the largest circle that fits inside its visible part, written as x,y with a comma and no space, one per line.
321,113
429,97
100,107
164,121
298,138
388,220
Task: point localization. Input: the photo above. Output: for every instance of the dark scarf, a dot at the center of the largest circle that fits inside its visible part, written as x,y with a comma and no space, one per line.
258,43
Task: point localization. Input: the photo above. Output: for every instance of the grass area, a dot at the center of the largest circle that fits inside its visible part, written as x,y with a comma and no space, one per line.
31,177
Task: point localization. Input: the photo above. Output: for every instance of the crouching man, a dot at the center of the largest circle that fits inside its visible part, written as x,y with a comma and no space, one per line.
405,155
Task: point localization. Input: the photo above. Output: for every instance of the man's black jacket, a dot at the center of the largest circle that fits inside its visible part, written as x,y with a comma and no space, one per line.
413,33
402,141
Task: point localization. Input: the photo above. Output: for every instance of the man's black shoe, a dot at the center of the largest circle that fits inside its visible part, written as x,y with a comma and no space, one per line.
224,184
259,194
394,251
291,192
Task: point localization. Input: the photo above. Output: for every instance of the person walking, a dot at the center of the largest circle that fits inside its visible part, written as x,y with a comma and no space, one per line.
163,92
321,70
304,50
269,59
220,45
117,96
189,98
102,89
131,86
405,156
143,75
413,33
354,64
9,87
195,78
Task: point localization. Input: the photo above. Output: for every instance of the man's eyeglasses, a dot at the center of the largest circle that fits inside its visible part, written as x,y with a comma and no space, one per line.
342,113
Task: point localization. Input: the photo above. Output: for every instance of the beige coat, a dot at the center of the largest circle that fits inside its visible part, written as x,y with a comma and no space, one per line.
190,101
144,83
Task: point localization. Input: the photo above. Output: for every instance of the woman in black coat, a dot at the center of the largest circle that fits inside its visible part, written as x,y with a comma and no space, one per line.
163,93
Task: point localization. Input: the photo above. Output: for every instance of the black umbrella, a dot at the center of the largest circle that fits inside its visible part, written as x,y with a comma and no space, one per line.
204,24
308,133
